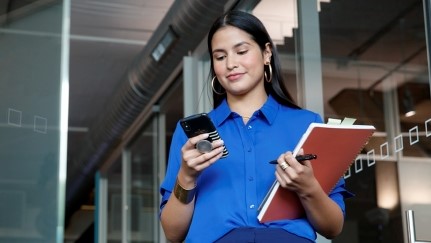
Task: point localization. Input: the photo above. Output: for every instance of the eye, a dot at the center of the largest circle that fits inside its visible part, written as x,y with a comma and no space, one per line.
219,57
242,52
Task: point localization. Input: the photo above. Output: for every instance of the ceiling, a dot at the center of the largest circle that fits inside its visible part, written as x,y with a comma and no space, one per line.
108,35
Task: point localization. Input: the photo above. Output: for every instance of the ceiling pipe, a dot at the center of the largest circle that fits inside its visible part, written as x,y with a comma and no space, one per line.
190,20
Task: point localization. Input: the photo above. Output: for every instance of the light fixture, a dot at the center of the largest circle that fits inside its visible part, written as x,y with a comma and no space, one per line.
164,44
408,104
410,113
387,191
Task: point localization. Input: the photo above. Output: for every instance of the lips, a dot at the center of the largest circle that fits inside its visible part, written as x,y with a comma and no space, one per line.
234,76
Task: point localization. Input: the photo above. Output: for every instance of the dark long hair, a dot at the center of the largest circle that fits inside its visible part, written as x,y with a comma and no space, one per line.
254,27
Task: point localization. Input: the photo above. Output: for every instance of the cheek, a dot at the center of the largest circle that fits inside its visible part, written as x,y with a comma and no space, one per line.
253,61
218,68
257,61
254,66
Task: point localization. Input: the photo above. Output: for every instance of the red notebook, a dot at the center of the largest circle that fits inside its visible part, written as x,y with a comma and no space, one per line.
336,147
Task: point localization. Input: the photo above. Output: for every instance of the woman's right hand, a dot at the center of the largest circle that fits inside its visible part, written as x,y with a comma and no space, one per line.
194,162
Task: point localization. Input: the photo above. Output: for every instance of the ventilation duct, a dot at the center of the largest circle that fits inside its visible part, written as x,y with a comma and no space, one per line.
190,20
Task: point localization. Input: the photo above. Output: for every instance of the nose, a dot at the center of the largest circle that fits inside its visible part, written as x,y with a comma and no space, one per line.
231,63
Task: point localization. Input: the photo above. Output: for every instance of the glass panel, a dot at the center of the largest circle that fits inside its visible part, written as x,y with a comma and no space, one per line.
114,222
172,108
148,157
144,195
374,69
374,66
32,167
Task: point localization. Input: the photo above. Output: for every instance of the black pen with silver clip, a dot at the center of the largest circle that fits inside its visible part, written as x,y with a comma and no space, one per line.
299,158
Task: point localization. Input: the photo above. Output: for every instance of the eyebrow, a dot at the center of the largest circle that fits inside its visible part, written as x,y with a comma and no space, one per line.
235,46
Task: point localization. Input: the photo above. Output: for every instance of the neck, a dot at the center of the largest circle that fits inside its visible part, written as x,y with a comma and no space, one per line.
246,105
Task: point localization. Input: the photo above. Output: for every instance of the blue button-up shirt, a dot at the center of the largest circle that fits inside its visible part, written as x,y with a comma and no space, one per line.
230,191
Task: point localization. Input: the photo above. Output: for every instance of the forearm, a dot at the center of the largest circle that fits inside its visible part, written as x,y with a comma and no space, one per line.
175,219
323,213
178,211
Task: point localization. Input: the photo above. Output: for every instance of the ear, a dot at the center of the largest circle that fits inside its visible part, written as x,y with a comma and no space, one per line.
267,53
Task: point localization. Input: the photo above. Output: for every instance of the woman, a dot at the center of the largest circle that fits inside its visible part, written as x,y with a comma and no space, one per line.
209,199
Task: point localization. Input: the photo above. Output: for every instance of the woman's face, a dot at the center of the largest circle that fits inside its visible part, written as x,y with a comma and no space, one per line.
238,61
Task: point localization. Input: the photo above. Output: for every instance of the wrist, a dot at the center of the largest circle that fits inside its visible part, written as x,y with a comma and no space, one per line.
184,195
311,190
185,180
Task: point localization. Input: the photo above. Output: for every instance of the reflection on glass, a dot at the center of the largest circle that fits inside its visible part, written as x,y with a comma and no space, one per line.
31,208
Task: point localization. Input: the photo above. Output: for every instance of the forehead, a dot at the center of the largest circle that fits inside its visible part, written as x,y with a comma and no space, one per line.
229,36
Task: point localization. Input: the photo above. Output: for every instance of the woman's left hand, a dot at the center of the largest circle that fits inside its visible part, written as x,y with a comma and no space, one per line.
321,211
295,176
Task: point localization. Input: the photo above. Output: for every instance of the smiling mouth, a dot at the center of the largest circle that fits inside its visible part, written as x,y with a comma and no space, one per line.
234,76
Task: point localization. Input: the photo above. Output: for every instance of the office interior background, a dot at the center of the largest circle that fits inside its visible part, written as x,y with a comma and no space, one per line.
91,92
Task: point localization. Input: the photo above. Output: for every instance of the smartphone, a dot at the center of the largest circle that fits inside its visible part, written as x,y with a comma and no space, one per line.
201,123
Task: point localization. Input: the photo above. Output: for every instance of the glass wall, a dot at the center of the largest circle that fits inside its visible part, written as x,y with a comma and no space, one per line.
372,66
33,118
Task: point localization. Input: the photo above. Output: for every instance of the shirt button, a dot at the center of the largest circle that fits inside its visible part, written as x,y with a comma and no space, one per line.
252,206
250,127
250,178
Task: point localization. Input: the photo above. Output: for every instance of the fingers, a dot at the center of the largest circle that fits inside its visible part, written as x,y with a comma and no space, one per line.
204,160
284,181
204,146
284,165
286,160
198,153
191,143
292,174
288,167
291,161
200,143
301,152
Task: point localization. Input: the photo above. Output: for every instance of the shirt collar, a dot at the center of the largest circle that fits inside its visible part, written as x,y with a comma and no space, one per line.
269,111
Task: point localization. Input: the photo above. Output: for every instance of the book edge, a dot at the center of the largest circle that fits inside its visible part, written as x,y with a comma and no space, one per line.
268,199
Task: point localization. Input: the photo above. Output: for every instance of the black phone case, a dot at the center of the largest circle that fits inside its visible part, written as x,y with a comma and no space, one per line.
200,123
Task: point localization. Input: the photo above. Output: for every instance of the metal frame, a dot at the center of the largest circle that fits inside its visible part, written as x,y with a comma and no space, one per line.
411,228
101,210
126,202
309,80
427,20
64,117
411,234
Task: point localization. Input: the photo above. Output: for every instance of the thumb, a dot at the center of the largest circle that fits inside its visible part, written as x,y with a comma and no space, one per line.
301,151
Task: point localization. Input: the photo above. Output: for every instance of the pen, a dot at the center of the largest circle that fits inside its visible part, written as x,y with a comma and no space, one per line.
299,158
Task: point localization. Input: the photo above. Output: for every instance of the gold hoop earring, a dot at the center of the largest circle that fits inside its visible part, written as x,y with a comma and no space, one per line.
212,86
270,74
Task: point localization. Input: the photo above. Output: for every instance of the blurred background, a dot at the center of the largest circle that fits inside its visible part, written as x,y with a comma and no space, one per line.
91,92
